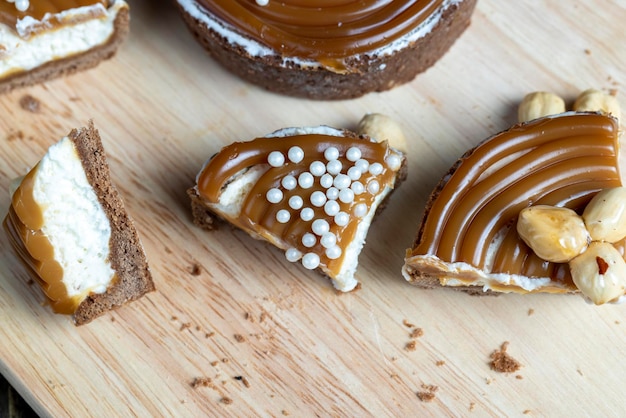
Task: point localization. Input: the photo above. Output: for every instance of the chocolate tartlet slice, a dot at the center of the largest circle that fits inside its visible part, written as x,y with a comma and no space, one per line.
311,192
327,50
68,223
468,237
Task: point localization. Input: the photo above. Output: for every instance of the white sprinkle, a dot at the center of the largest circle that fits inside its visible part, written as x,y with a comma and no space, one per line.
289,182
309,240
274,195
20,5
295,202
295,154
326,180
393,162
305,180
331,208
334,167
317,168
357,187
342,219
283,216
342,181
354,173
320,227
311,261
262,2
318,198
333,253
276,159
360,210
293,255
307,214
373,187
328,240
346,196
353,154
331,153
362,165
376,168
332,193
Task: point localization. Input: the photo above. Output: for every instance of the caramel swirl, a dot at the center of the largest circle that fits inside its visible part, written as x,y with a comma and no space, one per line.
558,161
325,31
37,9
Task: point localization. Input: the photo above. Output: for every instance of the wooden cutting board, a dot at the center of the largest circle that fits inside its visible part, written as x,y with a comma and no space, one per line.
274,339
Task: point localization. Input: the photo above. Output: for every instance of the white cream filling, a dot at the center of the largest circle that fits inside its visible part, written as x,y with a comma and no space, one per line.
74,220
256,49
22,51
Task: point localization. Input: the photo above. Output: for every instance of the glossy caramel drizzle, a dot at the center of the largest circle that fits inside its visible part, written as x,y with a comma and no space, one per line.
558,161
323,30
258,216
37,9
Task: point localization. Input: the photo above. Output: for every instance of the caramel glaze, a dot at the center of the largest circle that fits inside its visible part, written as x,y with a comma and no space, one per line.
327,31
559,161
258,216
37,9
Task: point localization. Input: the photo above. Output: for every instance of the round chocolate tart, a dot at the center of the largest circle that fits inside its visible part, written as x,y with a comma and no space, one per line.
327,50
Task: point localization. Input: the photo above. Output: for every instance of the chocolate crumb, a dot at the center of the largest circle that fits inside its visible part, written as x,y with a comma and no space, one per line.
240,338
428,394
195,269
410,346
440,363
209,334
502,362
226,400
587,51
185,325
201,382
30,103
416,333
225,360
30,282
243,380
285,413
174,318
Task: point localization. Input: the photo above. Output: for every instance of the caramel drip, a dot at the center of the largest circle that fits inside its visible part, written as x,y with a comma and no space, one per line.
326,31
258,216
559,161
37,9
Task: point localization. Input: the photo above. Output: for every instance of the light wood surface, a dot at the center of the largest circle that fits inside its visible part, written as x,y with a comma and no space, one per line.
275,339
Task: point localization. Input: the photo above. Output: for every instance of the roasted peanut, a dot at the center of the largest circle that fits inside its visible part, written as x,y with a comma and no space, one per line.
539,104
600,273
605,215
381,127
555,234
596,100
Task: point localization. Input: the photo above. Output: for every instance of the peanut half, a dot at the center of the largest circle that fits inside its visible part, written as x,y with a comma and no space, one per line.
605,215
539,104
596,100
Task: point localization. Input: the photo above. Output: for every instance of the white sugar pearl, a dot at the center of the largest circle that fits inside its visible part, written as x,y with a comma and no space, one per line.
357,187
318,199
289,182
331,153
346,196
353,154
333,253
393,162
274,195
293,255
309,240
295,202
362,165
326,180
276,159
320,227
342,181
283,216
376,168
317,168
331,208
360,210
295,154
262,2
305,180
311,261
342,219
307,214
373,187
354,173
332,193
334,167
328,240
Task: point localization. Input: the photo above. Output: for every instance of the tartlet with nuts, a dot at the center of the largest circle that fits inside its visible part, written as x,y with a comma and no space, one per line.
310,191
537,208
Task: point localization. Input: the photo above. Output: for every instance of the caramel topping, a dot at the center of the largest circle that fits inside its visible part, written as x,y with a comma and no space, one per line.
9,15
325,31
558,161
294,185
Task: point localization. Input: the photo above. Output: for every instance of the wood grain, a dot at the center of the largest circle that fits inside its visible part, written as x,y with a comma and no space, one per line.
273,338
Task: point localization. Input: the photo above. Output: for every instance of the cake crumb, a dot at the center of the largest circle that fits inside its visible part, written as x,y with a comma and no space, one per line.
428,394
472,406
531,311
195,269
240,338
502,362
226,400
243,380
410,346
285,413
527,411
440,363
30,103
587,51
185,325
214,363
416,333
519,377
407,324
201,382
209,334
